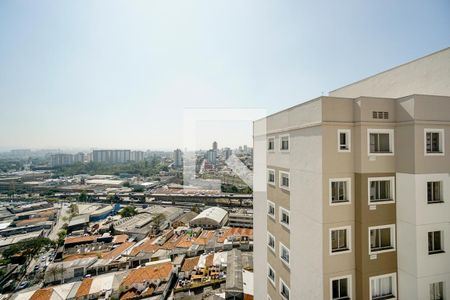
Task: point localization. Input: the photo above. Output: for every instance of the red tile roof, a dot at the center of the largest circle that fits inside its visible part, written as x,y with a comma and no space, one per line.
80,239
30,221
117,251
189,264
209,260
204,237
147,246
235,231
84,288
42,294
147,274
119,239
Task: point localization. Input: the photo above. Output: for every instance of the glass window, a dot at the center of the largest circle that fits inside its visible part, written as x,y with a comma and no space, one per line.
284,290
433,142
435,242
271,176
284,253
340,289
381,239
381,190
284,216
271,144
339,240
284,143
271,209
434,192
284,180
271,241
382,288
271,274
339,192
379,143
344,140
437,291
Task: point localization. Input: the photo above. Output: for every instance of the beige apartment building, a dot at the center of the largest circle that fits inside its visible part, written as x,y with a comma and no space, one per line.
352,190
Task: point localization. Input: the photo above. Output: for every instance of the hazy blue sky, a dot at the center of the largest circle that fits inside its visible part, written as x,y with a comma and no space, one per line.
120,73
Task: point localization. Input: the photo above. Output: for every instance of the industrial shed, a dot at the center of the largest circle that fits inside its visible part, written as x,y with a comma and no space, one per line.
214,217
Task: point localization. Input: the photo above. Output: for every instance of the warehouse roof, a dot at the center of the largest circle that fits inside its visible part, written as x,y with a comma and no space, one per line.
215,214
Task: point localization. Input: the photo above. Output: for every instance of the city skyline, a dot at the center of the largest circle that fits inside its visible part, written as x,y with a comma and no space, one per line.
105,76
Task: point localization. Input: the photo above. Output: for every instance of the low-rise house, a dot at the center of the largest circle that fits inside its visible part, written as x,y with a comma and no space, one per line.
78,223
72,241
184,219
68,270
148,281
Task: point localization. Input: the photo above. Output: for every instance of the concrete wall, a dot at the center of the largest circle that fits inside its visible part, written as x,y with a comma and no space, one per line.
415,218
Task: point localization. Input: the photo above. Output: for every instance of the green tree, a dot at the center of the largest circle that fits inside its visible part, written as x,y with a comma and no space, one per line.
61,236
126,184
196,209
158,220
128,211
138,189
83,197
28,248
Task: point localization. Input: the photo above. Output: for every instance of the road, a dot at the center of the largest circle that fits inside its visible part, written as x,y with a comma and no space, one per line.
63,211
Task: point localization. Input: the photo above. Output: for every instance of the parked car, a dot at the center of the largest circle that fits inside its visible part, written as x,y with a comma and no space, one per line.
22,285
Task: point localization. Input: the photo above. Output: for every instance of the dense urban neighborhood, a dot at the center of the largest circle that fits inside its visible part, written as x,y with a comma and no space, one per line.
70,235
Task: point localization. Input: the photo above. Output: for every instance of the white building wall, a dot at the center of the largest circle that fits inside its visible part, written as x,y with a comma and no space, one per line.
415,218
260,211
306,214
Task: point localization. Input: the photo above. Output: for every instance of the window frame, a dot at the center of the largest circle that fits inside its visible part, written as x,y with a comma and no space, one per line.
281,283
349,285
441,285
394,284
269,235
270,203
441,191
442,242
348,182
269,267
348,133
392,190
281,246
392,238
391,141
281,142
280,216
274,176
348,232
268,141
441,133
280,181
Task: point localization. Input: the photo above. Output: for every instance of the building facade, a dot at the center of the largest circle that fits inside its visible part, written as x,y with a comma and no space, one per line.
178,158
61,159
111,156
357,197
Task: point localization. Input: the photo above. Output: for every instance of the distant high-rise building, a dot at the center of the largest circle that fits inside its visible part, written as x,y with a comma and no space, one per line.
227,153
178,158
78,158
214,146
61,159
137,155
111,156
211,156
